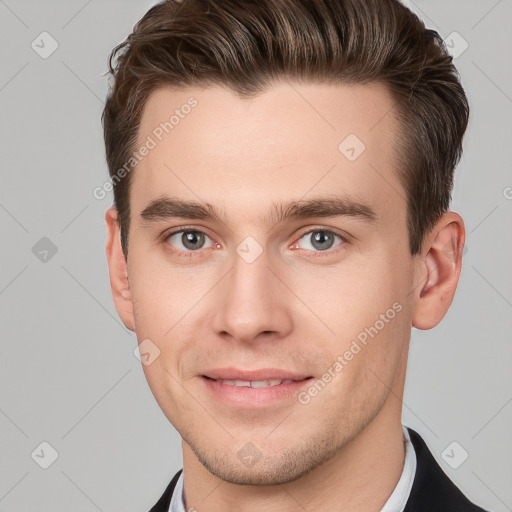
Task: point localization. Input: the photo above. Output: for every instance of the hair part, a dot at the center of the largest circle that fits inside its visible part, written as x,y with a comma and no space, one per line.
247,45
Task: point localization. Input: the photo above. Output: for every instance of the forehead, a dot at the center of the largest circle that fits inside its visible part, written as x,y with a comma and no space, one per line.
292,141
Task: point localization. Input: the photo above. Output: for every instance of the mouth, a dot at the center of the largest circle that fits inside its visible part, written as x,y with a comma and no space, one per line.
254,388
255,383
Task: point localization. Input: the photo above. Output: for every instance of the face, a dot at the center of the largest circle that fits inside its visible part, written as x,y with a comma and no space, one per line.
279,305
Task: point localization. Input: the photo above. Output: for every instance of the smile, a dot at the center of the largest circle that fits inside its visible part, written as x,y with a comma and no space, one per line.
255,383
250,389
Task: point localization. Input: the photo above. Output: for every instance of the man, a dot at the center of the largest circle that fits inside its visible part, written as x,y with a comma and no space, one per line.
282,172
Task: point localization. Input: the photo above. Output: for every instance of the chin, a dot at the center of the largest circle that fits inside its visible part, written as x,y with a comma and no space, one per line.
277,468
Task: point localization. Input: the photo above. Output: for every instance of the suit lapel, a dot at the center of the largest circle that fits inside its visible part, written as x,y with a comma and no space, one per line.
432,489
163,504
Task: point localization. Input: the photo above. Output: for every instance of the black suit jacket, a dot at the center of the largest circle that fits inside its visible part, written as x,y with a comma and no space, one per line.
432,490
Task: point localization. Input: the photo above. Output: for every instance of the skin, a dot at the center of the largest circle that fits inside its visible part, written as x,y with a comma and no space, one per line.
295,307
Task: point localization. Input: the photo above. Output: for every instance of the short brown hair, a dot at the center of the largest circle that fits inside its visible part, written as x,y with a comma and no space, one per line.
248,44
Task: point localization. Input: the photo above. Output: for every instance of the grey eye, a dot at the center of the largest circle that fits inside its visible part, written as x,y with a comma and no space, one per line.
188,240
320,239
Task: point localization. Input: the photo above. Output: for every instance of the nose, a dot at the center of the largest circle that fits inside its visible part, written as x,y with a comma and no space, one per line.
253,302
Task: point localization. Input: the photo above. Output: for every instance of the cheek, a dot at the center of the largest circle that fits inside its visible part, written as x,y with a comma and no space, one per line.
367,310
170,394
353,295
161,295
171,306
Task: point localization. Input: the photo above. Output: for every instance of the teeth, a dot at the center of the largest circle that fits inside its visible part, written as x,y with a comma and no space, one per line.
243,383
255,383
265,383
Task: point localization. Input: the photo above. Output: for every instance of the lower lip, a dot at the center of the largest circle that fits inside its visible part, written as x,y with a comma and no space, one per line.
254,397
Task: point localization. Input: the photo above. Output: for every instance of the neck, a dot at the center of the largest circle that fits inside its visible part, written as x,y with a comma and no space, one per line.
361,476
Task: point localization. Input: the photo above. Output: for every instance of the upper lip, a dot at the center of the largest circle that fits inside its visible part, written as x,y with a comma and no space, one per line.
254,375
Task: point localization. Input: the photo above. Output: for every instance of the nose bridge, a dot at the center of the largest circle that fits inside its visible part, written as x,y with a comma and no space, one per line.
251,300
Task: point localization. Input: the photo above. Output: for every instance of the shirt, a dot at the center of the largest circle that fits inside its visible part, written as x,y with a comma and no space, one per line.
395,503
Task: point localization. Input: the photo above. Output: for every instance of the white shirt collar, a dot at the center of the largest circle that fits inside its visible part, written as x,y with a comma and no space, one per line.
398,499
396,502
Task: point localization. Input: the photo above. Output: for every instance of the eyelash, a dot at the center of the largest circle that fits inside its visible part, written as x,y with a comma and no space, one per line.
191,254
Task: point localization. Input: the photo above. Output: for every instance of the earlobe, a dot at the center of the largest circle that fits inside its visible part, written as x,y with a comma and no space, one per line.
118,271
439,267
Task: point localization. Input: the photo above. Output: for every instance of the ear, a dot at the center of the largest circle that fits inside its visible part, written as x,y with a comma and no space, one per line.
438,271
118,270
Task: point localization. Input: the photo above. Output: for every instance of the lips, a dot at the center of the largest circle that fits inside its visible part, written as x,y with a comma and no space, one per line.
250,389
255,383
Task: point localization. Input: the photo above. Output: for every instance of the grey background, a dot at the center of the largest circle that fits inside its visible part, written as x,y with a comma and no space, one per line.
68,375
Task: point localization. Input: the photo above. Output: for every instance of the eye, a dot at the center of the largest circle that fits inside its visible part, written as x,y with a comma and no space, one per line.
322,240
187,240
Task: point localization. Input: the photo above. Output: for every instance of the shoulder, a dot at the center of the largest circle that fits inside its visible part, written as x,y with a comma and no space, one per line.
432,489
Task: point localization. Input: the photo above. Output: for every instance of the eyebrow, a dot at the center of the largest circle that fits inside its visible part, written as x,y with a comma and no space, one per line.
165,207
